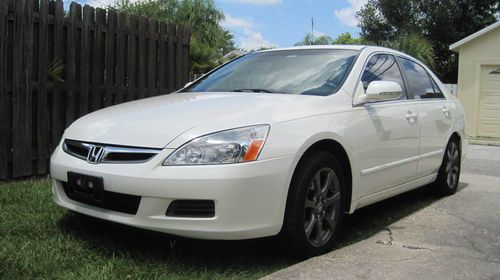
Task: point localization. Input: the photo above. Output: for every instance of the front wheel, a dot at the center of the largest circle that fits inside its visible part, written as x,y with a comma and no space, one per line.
449,172
315,205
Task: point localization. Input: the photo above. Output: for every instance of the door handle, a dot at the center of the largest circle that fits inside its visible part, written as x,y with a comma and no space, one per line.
446,111
410,116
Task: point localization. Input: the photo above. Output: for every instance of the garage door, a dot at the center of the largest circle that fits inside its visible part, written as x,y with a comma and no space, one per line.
489,102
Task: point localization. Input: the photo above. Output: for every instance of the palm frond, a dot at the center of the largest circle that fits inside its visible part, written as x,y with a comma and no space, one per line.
416,46
55,69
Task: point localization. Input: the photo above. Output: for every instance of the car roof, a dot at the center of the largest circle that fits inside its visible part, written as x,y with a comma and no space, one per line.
319,47
338,47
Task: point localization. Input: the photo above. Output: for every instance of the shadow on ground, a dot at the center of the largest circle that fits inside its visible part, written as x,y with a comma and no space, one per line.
109,238
369,220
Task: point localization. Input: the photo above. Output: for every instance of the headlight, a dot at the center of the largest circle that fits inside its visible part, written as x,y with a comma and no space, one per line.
230,146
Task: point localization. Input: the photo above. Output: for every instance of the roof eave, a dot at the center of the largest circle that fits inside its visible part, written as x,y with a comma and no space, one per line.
456,46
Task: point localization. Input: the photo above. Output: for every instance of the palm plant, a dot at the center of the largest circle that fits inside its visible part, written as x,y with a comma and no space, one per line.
416,46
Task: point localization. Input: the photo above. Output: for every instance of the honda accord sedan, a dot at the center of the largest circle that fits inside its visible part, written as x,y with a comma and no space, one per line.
279,142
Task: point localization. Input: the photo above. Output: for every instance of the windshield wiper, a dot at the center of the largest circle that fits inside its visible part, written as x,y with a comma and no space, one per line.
255,90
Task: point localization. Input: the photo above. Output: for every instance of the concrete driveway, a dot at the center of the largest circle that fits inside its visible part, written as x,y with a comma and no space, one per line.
457,237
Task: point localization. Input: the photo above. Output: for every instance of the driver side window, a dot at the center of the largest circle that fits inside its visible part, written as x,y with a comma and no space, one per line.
383,67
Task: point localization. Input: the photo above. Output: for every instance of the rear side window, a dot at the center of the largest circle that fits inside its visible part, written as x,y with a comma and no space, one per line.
382,67
419,82
437,92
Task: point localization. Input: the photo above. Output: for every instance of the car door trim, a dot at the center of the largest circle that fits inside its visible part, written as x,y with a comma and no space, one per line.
388,165
399,162
431,154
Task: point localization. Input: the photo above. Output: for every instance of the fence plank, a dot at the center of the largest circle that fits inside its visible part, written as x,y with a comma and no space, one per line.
4,127
75,12
42,116
121,46
99,57
152,62
132,59
110,58
17,93
88,20
178,55
26,87
57,116
162,58
185,56
22,70
142,63
172,30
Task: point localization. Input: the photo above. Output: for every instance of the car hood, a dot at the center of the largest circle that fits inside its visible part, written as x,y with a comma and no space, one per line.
155,122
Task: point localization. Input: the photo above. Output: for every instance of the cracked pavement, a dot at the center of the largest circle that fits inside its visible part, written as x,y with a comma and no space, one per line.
456,237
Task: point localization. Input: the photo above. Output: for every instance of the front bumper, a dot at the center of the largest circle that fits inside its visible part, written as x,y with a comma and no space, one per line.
249,198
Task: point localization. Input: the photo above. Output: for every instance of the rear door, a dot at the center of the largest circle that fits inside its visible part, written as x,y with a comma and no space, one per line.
434,115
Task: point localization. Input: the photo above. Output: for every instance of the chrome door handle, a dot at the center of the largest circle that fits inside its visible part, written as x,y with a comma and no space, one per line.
446,111
411,115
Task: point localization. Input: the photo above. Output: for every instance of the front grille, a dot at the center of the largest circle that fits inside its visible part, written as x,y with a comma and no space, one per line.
76,149
191,208
113,201
110,153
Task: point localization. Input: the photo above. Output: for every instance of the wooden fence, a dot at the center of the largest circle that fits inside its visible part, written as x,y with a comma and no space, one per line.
108,58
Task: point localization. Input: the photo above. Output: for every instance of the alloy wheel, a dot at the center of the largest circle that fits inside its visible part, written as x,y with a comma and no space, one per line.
322,207
452,165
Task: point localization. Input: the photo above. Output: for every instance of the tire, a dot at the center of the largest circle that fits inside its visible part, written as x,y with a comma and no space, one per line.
449,172
314,212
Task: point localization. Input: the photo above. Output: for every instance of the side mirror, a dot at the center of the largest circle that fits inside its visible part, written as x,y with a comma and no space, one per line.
380,91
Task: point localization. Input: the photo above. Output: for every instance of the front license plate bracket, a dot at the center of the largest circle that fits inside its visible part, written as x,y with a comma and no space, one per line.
85,187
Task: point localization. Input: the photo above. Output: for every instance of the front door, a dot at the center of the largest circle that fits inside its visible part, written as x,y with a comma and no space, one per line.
385,134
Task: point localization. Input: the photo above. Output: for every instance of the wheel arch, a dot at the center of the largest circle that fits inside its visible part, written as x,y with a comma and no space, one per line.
456,135
462,141
336,148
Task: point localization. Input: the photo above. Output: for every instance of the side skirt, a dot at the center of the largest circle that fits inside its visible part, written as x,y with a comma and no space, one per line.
376,197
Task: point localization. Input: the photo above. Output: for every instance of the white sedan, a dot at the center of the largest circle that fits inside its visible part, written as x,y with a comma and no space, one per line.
283,142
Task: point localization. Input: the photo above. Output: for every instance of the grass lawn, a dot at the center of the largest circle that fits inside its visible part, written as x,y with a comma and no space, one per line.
40,240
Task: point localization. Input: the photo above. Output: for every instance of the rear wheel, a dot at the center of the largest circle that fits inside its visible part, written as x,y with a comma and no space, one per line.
449,173
315,205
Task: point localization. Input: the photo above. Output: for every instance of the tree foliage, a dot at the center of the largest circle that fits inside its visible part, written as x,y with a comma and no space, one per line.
442,22
347,39
209,41
343,39
310,40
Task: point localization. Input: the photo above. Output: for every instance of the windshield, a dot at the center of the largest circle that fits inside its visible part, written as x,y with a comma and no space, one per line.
312,72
